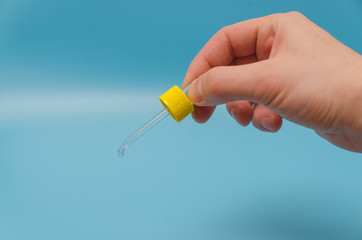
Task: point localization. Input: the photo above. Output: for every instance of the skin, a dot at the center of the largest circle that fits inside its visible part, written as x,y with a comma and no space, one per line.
281,66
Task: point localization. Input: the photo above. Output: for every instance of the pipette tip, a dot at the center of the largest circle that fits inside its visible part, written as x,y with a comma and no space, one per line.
122,148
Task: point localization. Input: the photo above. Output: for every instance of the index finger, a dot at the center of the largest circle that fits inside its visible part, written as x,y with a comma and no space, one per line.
237,40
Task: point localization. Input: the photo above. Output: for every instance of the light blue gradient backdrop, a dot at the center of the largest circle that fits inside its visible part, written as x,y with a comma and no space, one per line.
76,77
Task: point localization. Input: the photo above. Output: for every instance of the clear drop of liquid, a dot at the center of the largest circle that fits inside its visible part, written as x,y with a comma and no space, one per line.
122,148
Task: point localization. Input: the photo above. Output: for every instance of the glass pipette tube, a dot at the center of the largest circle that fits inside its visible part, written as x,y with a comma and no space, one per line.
141,131
145,128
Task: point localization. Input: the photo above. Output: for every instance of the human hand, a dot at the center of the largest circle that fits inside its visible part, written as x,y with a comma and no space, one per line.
281,66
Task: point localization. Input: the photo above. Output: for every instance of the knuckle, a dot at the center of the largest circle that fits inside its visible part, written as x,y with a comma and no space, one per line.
213,87
286,21
276,15
221,33
264,83
213,80
288,16
295,14
224,29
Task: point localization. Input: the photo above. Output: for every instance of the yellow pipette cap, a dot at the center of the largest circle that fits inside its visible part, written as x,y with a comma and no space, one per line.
177,103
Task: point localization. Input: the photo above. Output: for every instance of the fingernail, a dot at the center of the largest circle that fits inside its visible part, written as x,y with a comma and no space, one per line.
266,124
194,92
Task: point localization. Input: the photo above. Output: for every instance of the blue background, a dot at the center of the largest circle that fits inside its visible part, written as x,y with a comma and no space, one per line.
76,77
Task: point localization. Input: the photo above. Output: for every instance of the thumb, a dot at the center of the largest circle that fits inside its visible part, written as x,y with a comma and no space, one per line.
258,82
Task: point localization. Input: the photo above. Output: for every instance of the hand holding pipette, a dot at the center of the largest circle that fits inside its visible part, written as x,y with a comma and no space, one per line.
176,104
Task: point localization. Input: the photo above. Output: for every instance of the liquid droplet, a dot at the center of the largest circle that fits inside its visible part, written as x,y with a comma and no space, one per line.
122,148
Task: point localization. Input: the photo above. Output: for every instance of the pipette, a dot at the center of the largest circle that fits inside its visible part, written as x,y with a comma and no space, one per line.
176,104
